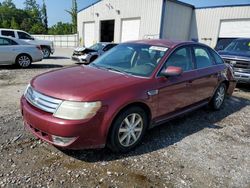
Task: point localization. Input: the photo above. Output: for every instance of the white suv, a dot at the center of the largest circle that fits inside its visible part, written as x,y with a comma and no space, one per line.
47,46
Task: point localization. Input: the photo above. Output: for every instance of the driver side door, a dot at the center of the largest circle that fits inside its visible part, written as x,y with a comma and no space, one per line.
175,92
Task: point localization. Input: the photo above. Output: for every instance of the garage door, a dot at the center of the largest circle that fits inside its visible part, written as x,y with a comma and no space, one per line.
235,28
88,33
130,29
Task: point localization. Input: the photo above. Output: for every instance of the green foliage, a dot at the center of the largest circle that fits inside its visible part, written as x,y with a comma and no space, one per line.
73,13
9,4
44,16
60,29
34,19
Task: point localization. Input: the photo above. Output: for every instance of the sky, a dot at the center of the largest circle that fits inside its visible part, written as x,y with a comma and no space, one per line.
56,8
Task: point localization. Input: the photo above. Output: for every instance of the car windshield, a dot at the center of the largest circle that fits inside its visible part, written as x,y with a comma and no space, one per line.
239,46
97,46
134,59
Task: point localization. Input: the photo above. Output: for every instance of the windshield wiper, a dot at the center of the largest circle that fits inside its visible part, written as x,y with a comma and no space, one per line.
117,70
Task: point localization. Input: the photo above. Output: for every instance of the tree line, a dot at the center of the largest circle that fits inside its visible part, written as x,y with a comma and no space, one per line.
34,19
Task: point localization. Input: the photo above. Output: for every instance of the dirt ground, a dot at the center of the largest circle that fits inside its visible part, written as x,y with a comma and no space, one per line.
201,149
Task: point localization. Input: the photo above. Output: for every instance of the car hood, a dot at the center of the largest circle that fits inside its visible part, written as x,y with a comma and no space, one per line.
81,83
85,50
234,55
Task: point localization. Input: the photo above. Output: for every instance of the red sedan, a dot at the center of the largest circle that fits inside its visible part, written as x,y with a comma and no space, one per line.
131,88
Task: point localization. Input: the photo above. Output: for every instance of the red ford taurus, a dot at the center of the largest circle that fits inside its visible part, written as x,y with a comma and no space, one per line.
131,88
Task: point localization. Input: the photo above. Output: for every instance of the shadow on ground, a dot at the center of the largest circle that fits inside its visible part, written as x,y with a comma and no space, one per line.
57,57
169,133
244,87
33,66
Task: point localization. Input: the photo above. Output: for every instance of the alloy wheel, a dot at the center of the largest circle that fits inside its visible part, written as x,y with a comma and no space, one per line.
220,96
130,130
24,61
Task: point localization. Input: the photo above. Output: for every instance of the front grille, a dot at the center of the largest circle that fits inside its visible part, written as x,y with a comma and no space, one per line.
77,53
239,64
43,102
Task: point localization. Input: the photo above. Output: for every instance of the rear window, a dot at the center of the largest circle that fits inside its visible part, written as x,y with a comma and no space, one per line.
8,33
202,58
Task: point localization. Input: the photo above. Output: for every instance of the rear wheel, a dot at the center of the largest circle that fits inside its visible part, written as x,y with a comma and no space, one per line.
128,129
46,52
219,97
23,61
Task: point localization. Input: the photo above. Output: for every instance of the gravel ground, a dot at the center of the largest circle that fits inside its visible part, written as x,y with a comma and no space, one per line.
201,149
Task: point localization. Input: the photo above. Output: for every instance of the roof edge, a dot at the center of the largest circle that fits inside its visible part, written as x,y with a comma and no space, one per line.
182,3
224,6
89,6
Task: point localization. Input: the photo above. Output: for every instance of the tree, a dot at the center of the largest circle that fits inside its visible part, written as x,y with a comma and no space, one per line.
31,5
14,24
61,29
73,13
8,3
5,24
44,16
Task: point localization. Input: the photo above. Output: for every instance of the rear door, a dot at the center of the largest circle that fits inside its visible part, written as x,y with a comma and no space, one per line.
207,73
8,50
175,93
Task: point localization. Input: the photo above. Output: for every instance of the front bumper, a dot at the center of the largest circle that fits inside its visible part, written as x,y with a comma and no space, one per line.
80,59
85,133
242,77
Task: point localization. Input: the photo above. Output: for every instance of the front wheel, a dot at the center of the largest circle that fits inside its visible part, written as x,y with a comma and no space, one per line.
128,129
219,97
46,52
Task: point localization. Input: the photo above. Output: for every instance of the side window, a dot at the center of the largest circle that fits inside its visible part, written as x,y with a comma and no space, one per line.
216,57
4,42
8,33
181,58
202,57
23,35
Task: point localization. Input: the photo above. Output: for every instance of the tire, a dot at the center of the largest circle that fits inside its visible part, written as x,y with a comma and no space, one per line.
219,97
123,138
46,52
93,59
23,61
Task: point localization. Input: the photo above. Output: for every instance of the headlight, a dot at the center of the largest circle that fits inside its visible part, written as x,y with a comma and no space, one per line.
77,110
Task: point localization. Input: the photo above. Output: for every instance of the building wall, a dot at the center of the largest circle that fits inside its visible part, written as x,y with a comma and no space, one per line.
149,11
176,21
206,22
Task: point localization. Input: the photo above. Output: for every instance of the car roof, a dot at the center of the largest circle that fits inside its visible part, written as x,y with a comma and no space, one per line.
6,29
162,42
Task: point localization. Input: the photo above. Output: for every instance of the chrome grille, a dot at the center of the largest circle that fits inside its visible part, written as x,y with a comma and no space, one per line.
43,102
239,65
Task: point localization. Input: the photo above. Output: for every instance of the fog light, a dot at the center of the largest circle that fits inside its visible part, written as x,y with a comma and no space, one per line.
62,141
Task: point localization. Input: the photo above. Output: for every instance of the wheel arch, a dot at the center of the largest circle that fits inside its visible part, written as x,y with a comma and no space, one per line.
140,104
24,54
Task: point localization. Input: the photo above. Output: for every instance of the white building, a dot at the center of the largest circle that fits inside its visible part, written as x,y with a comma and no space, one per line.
123,20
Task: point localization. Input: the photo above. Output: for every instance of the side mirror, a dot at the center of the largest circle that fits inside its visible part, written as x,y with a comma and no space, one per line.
172,71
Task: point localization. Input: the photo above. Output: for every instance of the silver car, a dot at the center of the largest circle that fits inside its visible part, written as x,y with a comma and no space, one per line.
88,55
15,51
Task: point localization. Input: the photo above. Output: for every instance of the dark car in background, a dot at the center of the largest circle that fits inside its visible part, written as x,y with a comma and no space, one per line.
131,88
88,55
222,43
237,54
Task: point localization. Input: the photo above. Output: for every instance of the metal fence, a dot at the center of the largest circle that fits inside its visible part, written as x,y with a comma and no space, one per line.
60,40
